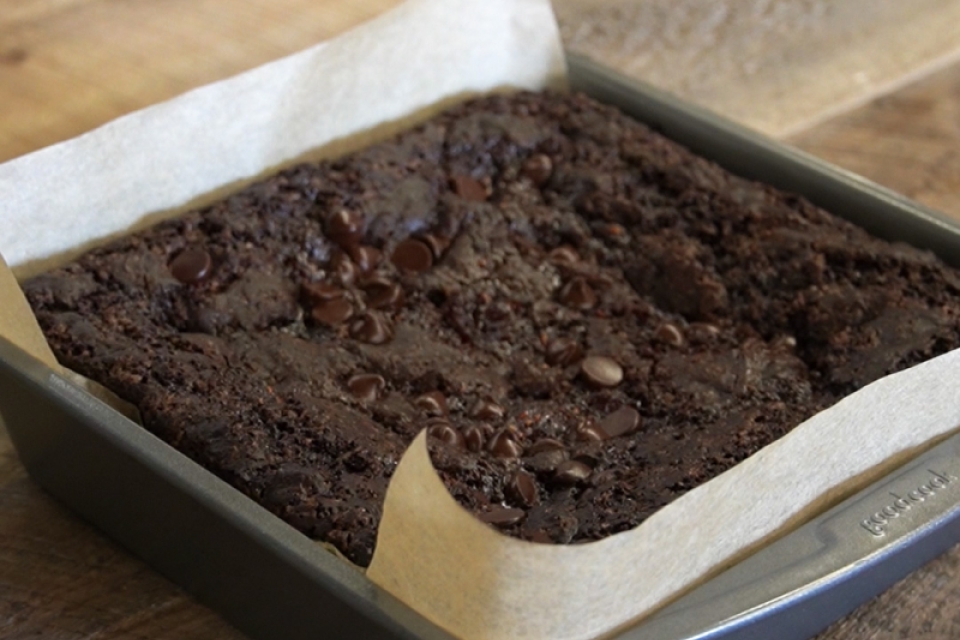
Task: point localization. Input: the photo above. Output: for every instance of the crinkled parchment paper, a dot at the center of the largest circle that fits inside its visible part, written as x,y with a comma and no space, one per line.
392,72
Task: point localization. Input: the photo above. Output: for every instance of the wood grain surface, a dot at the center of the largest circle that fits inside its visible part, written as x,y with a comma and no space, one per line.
69,65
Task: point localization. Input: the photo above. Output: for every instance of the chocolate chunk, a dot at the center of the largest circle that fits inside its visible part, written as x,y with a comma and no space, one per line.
432,403
537,169
564,255
384,295
332,312
191,265
563,352
314,293
578,294
486,410
600,371
365,257
502,516
345,227
444,432
468,188
371,328
571,472
619,423
366,386
412,255
503,445
521,489
669,334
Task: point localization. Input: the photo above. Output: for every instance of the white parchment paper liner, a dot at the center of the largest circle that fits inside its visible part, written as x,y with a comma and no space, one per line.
396,70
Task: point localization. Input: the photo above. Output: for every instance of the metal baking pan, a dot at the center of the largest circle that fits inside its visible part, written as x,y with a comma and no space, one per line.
270,581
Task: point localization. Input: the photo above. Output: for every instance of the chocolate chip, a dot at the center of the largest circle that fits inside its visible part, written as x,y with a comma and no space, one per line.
366,386
191,265
544,445
670,334
371,328
521,489
332,312
537,169
345,227
444,432
486,410
365,257
545,455
590,433
503,445
600,371
468,188
563,352
384,295
577,294
502,516
412,255
343,268
619,423
564,255
316,292
571,472
436,243
474,438
432,403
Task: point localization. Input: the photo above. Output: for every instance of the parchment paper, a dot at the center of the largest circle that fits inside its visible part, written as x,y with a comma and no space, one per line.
464,576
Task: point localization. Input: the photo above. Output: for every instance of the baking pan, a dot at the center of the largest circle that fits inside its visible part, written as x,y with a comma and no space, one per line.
270,581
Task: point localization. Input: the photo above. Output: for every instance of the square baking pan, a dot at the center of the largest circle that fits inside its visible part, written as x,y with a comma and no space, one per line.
271,581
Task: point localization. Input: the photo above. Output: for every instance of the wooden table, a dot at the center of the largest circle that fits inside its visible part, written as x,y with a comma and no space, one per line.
69,65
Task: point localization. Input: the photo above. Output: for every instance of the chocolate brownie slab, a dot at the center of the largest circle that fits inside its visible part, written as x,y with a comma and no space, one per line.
588,319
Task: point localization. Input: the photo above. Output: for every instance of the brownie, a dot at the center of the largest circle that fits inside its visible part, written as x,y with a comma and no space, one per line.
588,319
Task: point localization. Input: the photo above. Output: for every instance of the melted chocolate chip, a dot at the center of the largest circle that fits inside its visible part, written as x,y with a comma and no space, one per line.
544,445
432,403
502,516
537,169
563,352
444,432
332,312
504,445
578,294
366,386
345,227
670,334
365,257
521,489
571,472
371,328
600,371
545,455
468,188
191,265
486,410
412,255
619,423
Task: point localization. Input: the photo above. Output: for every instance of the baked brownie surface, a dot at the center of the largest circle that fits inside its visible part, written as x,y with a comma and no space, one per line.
589,320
